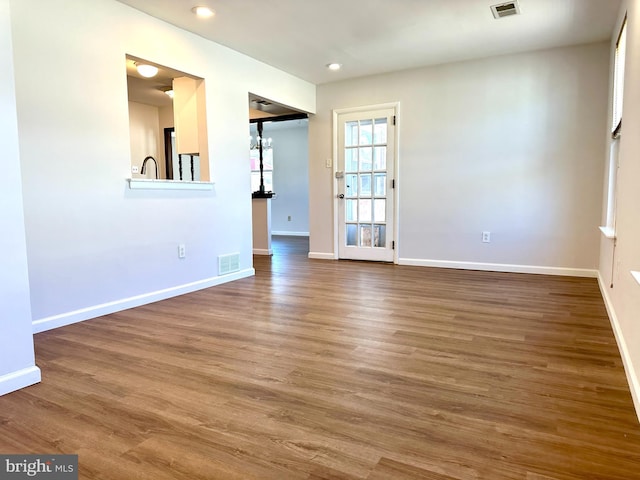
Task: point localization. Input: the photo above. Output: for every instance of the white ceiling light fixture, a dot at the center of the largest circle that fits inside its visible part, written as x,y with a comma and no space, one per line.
202,11
334,67
146,70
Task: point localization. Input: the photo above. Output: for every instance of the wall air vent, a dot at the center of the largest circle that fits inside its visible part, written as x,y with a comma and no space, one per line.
505,9
228,263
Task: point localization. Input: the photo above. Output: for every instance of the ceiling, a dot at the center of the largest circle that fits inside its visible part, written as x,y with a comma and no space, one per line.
376,36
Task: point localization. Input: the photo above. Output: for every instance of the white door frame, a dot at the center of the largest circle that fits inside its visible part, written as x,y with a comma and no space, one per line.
396,157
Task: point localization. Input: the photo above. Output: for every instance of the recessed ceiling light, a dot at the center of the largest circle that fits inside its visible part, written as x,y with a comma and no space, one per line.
334,66
203,12
147,71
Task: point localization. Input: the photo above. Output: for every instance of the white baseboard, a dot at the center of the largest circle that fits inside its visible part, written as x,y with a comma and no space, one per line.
16,380
632,377
322,256
500,267
290,234
262,251
82,314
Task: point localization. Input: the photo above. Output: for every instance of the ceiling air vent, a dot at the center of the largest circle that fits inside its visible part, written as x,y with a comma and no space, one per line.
505,9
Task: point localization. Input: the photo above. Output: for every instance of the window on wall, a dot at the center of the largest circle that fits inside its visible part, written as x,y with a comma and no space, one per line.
618,79
267,163
616,129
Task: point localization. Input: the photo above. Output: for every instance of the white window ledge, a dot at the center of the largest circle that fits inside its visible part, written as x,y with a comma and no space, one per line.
608,232
636,275
150,184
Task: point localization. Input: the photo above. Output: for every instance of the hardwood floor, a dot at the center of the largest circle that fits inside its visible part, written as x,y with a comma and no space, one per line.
339,370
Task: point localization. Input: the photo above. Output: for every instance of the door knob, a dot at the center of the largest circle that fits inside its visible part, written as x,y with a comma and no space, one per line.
341,195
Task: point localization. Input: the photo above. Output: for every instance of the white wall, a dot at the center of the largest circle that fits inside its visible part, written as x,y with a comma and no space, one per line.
144,121
623,299
17,367
93,245
510,144
146,137
290,176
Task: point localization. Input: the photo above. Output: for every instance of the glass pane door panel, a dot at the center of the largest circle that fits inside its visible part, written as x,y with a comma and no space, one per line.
365,185
380,131
380,158
365,235
351,160
364,208
352,235
380,186
352,185
380,210
352,211
366,132
365,159
351,134
380,236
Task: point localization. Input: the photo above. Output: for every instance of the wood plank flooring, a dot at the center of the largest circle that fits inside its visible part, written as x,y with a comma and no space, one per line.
339,370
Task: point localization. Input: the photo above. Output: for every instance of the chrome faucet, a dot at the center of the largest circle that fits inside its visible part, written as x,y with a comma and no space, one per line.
144,165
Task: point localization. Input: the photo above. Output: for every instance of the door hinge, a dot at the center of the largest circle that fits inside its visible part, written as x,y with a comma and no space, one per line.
393,183
394,119
393,244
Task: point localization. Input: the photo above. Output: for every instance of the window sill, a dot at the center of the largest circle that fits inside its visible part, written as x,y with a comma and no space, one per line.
150,184
636,275
608,232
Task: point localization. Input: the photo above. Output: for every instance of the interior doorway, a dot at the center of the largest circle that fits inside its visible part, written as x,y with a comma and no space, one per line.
279,144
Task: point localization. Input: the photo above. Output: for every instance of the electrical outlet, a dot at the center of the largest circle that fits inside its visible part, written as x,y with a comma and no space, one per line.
135,169
486,237
182,251
289,218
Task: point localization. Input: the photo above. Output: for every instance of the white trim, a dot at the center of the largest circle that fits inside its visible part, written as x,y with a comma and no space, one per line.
501,267
262,251
151,184
322,256
334,184
636,276
632,377
365,108
608,232
290,234
22,378
82,314
396,191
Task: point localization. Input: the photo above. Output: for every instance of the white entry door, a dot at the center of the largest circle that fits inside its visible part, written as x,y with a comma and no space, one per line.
365,184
